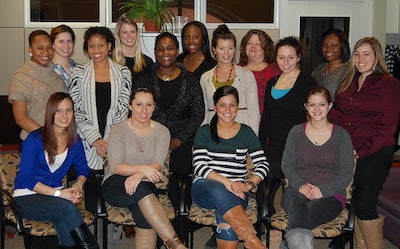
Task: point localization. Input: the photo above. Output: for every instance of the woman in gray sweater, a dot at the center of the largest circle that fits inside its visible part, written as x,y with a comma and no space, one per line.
318,163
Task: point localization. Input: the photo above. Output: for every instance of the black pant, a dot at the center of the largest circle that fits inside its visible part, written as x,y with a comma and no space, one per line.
115,194
371,172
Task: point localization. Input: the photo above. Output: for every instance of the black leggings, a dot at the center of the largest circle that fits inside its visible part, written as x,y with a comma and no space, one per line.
115,194
371,173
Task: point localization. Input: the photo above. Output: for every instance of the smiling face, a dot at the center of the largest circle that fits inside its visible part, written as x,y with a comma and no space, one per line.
224,51
63,44
98,48
227,108
128,35
64,114
287,59
166,52
142,107
254,50
193,39
42,50
317,106
331,48
364,59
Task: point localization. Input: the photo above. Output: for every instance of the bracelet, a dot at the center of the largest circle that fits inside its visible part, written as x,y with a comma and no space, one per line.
252,184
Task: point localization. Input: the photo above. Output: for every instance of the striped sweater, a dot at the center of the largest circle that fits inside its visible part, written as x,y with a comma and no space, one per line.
228,157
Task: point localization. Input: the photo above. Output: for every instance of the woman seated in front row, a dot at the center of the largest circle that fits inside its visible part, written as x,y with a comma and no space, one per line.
221,176
137,148
47,155
318,164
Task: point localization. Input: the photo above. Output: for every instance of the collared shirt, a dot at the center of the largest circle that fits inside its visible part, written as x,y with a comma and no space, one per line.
64,73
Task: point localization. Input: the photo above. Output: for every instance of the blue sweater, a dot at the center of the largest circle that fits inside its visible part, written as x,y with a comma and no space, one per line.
33,167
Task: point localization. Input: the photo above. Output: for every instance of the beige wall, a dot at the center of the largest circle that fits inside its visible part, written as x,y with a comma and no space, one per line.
13,35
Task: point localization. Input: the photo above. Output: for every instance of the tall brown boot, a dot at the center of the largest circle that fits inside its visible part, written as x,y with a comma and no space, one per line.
155,215
372,232
227,244
237,218
359,240
145,238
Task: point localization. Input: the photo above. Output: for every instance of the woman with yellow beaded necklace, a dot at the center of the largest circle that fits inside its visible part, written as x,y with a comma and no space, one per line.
227,73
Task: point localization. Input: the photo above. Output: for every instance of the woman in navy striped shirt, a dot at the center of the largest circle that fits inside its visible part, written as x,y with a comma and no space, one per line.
222,180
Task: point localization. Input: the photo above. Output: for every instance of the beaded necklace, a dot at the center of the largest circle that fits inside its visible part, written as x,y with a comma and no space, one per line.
216,75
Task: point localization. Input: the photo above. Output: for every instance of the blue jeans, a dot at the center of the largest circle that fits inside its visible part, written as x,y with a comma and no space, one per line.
211,194
308,214
64,215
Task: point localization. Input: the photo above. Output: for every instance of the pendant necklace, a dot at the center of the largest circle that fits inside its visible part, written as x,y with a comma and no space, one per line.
216,74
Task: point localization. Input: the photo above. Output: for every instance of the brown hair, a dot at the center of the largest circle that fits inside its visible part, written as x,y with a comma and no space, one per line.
49,138
62,29
266,44
378,67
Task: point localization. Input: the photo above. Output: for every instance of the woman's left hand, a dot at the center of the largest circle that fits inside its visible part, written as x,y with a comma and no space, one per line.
316,192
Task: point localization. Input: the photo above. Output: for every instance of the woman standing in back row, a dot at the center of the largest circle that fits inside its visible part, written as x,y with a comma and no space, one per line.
100,89
368,107
284,102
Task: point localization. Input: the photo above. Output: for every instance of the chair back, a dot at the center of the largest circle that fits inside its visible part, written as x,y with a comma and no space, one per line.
8,170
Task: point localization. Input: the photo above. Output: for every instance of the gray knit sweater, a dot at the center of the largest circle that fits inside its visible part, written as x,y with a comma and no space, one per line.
329,166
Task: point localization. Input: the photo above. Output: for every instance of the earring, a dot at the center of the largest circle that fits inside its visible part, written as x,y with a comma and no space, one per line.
30,54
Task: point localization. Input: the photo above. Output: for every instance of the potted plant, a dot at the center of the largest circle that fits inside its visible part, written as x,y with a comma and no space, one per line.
153,13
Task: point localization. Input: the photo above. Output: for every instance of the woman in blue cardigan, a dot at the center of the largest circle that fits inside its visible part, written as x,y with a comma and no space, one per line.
47,155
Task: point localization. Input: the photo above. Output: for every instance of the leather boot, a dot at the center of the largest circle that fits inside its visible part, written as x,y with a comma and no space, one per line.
372,232
84,238
359,240
227,244
155,215
239,222
145,238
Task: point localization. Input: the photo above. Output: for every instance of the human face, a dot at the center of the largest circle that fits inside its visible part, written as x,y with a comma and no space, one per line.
128,35
331,48
166,52
317,107
98,48
193,39
225,51
42,50
227,108
364,59
64,114
63,44
287,59
142,107
254,51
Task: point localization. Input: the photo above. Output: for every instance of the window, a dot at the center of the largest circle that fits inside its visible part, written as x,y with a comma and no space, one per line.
81,13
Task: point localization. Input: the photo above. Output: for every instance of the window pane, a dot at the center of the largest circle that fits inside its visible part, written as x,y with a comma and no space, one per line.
240,11
64,10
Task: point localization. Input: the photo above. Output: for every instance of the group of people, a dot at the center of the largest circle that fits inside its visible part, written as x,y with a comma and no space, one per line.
120,115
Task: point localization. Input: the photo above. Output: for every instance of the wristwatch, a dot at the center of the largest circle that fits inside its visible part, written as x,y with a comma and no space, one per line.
57,193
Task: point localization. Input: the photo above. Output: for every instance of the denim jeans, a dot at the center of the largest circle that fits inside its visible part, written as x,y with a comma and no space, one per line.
308,214
114,193
212,194
64,215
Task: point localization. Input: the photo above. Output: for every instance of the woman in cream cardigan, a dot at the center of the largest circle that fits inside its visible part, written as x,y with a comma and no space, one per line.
227,73
100,90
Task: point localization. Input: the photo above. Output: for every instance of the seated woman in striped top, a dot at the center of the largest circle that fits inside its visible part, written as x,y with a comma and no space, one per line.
221,183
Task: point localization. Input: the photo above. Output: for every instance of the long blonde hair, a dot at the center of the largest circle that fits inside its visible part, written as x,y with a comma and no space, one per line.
140,62
378,67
